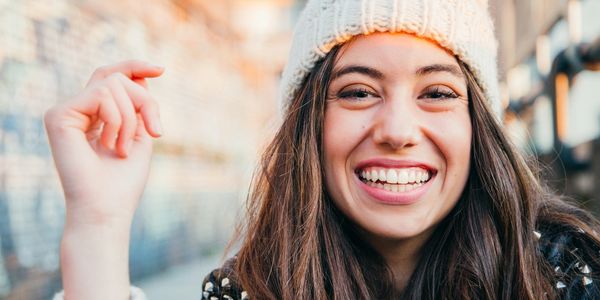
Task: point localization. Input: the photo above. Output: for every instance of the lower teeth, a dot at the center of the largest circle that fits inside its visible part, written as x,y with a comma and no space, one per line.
396,188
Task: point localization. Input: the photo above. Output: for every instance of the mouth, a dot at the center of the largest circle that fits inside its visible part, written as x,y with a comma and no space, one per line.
396,180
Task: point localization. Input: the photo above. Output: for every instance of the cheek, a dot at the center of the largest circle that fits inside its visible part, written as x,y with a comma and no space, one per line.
452,136
342,133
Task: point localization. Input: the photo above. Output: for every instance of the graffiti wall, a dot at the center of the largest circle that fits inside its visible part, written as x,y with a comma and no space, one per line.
217,101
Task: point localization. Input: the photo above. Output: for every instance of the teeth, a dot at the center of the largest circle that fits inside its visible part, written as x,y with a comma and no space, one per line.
424,177
391,176
403,178
395,176
374,176
382,176
395,188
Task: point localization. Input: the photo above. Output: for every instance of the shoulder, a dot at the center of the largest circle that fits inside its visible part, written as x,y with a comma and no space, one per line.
574,257
223,283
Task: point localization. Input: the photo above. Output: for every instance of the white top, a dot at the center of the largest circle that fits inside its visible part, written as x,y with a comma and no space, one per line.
135,294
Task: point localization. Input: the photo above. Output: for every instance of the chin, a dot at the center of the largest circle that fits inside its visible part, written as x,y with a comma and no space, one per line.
400,231
392,227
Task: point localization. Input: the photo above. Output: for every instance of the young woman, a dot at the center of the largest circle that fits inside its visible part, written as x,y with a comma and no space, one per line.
390,176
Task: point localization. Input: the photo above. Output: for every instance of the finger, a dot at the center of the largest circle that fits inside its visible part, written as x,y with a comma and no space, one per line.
95,129
128,115
141,82
108,112
141,134
144,103
130,68
80,119
143,140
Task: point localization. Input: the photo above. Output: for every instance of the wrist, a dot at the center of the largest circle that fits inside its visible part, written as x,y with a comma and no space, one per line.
106,219
95,260
110,236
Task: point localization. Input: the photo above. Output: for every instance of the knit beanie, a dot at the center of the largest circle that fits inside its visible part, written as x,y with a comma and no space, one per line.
464,27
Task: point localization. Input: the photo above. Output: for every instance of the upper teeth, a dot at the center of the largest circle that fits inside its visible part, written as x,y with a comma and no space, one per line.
401,176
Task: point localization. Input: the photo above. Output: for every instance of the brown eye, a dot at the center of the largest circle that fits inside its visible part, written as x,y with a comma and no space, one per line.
357,94
439,93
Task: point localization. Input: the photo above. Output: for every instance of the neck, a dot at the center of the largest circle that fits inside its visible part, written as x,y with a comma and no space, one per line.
401,255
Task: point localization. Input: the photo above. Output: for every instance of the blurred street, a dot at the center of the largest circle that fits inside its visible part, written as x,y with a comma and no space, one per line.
181,281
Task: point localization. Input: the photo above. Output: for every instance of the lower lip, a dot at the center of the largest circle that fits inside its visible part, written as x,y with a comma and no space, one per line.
396,198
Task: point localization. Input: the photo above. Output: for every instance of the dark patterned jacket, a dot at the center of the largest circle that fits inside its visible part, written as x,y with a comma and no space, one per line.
577,274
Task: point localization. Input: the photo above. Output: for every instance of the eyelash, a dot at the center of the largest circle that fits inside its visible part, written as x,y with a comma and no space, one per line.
440,93
433,93
353,94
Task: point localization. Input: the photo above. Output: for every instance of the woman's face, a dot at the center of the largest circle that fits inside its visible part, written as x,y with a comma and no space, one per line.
397,135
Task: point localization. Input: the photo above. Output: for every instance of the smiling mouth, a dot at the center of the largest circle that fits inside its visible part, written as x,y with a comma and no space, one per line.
396,180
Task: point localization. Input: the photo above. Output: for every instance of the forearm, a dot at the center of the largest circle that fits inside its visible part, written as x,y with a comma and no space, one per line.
95,260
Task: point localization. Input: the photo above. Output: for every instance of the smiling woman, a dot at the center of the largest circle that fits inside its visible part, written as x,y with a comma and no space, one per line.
390,176
412,119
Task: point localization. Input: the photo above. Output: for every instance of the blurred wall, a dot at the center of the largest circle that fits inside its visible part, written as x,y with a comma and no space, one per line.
519,24
532,34
217,99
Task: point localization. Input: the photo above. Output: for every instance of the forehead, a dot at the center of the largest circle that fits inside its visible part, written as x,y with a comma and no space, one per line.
392,52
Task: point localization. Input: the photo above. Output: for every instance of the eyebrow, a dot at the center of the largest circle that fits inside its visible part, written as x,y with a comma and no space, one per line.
373,73
376,74
435,68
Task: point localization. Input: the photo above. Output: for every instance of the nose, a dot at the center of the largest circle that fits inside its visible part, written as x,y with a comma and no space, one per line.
397,125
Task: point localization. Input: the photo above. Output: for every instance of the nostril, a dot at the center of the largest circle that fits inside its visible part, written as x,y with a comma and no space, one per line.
396,136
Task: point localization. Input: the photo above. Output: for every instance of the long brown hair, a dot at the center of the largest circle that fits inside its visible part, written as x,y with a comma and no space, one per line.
298,245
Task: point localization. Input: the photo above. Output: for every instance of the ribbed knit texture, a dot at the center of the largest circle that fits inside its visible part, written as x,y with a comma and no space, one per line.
464,27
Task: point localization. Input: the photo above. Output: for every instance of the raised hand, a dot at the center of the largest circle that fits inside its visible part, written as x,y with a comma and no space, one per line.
101,142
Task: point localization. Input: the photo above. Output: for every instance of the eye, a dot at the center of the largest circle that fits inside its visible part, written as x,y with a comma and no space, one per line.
356,94
439,93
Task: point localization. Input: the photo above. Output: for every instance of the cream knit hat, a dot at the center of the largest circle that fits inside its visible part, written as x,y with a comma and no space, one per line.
463,27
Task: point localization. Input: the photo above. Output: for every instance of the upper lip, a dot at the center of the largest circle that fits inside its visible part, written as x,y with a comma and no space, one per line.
394,163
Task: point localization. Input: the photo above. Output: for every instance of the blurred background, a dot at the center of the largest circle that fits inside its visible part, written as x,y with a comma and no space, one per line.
218,103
